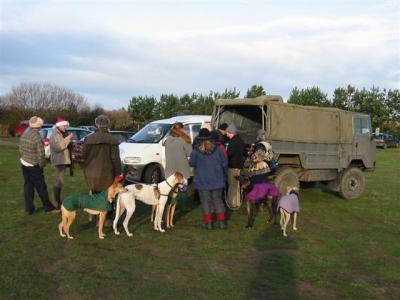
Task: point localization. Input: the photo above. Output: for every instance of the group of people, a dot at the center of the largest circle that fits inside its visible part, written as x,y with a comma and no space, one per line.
101,166
216,156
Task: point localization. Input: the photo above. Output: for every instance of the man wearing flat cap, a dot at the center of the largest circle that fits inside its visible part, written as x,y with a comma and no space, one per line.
235,150
32,164
101,158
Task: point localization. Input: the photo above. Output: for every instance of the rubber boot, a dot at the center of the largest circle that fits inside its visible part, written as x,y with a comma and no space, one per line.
57,196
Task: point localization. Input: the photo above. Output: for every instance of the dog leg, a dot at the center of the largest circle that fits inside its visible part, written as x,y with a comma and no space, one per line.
172,213
60,229
102,217
128,216
287,219
250,214
153,213
159,215
294,220
269,206
117,215
70,220
169,206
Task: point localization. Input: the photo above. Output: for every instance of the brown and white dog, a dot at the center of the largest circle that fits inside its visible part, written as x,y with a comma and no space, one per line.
148,194
289,205
170,209
75,202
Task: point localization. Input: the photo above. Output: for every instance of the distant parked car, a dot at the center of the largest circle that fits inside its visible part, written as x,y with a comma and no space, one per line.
45,133
89,127
23,125
386,140
121,136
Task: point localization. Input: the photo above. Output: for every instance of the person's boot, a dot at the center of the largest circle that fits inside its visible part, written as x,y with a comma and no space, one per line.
57,196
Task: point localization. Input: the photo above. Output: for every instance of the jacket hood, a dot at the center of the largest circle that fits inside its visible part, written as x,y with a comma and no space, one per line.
199,147
101,138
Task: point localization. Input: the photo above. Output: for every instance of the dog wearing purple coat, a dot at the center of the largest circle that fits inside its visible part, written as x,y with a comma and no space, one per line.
289,205
257,193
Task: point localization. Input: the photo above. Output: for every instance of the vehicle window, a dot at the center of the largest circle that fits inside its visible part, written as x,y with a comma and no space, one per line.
362,126
186,129
246,118
196,129
82,134
151,133
74,134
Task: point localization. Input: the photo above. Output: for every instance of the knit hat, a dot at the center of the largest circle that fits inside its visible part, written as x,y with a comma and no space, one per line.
204,134
261,135
102,121
35,122
231,129
61,122
223,126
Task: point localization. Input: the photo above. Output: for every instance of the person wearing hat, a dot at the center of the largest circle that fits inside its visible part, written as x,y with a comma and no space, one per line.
177,150
102,162
235,150
32,164
210,169
60,155
222,133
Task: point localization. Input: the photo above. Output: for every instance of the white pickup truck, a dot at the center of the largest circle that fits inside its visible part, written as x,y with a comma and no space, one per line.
143,155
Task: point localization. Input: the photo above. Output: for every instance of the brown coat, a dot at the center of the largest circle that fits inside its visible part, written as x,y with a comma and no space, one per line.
101,160
59,149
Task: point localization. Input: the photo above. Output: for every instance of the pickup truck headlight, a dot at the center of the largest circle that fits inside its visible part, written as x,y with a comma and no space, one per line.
132,160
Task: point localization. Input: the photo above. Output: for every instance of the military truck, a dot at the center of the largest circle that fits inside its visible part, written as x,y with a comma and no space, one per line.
311,144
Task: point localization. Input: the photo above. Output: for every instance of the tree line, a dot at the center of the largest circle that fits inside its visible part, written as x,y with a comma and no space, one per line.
50,101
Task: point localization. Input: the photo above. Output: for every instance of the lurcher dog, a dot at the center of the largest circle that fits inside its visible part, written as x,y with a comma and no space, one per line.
289,205
96,204
148,194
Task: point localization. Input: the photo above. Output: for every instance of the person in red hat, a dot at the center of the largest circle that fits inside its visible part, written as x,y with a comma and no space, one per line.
60,157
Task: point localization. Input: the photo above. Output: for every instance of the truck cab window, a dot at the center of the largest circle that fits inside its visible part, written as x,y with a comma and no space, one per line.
362,126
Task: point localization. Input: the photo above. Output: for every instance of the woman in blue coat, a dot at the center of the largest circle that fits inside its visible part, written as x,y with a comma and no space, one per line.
210,170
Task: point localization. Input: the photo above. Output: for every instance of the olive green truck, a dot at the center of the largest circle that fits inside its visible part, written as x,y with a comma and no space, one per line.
311,144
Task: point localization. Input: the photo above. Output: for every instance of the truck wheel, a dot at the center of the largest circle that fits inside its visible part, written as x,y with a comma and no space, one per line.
352,183
286,177
152,174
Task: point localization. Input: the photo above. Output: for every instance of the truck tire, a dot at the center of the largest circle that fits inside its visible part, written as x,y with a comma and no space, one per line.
152,174
352,183
286,177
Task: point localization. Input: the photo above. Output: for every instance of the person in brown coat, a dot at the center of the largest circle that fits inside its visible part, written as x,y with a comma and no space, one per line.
60,156
101,158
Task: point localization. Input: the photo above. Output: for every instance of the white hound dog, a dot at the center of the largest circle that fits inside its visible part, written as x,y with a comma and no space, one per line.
148,194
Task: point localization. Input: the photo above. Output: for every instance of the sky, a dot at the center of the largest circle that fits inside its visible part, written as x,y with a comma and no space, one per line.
110,51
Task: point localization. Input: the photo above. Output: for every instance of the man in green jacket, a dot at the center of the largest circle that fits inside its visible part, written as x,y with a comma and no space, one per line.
32,164
101,159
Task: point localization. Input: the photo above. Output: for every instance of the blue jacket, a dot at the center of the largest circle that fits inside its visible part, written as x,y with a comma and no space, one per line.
210,169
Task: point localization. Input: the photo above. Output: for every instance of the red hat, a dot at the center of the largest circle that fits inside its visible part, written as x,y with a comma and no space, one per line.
61,122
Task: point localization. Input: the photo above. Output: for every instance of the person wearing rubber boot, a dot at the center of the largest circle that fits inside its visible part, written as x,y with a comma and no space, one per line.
210,171
59,155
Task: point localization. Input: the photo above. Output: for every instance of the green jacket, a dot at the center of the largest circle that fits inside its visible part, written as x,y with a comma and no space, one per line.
97,202
101,160
31,148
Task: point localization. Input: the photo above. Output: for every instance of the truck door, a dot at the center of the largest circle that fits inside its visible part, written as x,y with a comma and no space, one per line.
363,145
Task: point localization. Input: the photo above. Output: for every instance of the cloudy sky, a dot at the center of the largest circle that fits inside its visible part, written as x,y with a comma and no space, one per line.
112,50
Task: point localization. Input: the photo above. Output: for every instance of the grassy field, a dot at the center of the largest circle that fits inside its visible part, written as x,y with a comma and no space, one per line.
343,249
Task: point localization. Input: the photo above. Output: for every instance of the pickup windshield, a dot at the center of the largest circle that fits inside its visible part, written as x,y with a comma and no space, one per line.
152,133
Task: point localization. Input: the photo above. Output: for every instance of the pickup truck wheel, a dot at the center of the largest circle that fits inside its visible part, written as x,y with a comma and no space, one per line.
286,177
352,183
152,174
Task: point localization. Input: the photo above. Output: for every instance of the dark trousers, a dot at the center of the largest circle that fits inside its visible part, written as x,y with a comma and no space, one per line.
34,178
211,200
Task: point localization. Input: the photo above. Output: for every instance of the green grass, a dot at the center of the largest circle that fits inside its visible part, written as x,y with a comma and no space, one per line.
343,249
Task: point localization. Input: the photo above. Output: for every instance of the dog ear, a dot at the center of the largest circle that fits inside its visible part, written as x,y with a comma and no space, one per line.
179,176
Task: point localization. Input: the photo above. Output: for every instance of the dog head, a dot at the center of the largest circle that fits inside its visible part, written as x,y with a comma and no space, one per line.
291,190
114,189
180,181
